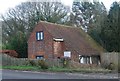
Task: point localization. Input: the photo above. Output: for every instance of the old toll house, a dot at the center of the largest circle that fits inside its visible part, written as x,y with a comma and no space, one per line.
49,41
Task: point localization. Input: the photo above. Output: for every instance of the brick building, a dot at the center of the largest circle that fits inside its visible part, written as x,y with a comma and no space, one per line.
50,41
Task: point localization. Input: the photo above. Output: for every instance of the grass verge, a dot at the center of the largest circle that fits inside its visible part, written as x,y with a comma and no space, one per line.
81,70
56,69
19,67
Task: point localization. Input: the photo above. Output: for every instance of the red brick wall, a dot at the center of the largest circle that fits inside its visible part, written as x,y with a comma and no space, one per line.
59,48
44,47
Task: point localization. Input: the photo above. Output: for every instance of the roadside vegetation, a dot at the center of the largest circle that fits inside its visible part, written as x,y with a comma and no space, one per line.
57,69
47,66
20,68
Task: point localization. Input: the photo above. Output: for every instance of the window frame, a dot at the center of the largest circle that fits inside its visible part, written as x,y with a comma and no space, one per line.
40,57
41,36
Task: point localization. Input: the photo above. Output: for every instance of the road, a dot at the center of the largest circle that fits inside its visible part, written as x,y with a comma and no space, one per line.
15,74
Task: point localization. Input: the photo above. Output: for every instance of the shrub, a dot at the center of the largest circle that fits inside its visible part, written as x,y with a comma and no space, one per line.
119,68
32,63
105,65
65,61
42,64
111,66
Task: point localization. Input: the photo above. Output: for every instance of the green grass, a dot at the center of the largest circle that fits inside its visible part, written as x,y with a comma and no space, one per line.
56,69
82,70
0,67
20,67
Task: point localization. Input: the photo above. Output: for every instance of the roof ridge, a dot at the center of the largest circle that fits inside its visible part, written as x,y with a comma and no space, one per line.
61,25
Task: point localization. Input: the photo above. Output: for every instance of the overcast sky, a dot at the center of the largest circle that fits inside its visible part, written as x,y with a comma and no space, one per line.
6,4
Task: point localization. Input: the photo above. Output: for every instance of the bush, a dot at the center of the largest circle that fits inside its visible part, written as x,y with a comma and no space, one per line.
65,61
32,63
110,66
105,65
119,68
42,64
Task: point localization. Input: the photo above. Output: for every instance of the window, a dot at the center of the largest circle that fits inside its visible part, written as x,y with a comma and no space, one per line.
40,57
39,35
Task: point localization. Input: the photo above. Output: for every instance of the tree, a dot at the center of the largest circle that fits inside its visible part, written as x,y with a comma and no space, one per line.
82,14
25,16
110,31
88,15
19,44
100,16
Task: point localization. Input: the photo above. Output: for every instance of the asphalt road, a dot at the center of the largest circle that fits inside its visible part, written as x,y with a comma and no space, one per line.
14,74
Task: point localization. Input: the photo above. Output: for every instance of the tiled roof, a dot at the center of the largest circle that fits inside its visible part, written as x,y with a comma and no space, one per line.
74,37
12,53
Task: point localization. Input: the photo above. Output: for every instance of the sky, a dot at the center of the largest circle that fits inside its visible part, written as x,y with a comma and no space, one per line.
6,4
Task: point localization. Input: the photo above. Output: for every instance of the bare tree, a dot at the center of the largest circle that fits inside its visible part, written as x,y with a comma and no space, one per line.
26,15
20,21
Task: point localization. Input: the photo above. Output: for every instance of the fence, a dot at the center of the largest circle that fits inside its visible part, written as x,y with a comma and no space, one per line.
110,60
8,60
54,62
11,61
